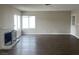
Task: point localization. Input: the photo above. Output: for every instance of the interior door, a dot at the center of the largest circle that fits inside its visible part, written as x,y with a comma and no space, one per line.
73,25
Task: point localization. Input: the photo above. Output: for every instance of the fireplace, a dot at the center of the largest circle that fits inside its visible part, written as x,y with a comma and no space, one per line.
9,37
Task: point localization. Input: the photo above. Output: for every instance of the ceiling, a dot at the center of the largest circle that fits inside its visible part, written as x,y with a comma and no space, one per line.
43,7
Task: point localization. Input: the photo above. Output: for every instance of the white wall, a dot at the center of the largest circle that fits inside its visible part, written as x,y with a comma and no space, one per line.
49,22
75,29
7,21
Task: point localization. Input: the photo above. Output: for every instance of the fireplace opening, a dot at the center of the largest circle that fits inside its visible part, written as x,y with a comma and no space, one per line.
8,38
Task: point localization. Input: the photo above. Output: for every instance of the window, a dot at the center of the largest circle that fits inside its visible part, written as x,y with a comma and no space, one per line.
16,22
28,22
25,22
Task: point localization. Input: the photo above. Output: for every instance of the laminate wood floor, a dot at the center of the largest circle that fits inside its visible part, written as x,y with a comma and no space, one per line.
45,45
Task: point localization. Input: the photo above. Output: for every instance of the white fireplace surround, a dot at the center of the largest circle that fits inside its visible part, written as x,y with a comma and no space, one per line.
14,39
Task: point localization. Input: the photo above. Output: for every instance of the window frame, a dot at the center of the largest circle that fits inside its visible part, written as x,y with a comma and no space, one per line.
28,23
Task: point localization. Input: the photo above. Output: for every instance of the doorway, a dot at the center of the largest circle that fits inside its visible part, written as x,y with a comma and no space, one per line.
73,25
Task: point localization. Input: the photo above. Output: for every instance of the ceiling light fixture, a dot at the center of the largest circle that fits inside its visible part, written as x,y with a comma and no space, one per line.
48,4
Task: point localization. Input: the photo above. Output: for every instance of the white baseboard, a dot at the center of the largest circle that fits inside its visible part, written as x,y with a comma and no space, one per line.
50,33
75,36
